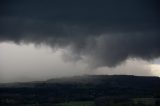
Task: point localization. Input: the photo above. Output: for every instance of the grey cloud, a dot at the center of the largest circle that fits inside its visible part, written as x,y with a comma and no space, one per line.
105,32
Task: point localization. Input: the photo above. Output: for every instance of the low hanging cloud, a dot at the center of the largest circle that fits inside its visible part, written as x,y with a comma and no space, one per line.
42,63
104,33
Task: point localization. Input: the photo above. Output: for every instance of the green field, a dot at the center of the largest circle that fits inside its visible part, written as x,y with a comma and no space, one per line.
79,103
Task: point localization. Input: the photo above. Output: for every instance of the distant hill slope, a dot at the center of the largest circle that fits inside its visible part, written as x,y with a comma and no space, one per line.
114,84
110,80
102,79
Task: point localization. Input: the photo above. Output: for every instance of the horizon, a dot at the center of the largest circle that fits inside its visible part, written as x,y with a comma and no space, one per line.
76,76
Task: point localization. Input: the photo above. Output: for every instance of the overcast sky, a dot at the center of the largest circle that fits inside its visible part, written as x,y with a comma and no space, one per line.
54,38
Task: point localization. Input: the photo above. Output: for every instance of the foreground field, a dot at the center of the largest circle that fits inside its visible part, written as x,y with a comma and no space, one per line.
80,103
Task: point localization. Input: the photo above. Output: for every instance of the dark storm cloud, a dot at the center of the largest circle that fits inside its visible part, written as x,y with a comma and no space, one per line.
107,32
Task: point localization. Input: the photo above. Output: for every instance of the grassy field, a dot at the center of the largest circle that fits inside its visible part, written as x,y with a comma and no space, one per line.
80,103
74,103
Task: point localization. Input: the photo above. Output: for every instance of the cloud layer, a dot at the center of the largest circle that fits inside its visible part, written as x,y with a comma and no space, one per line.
104,33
